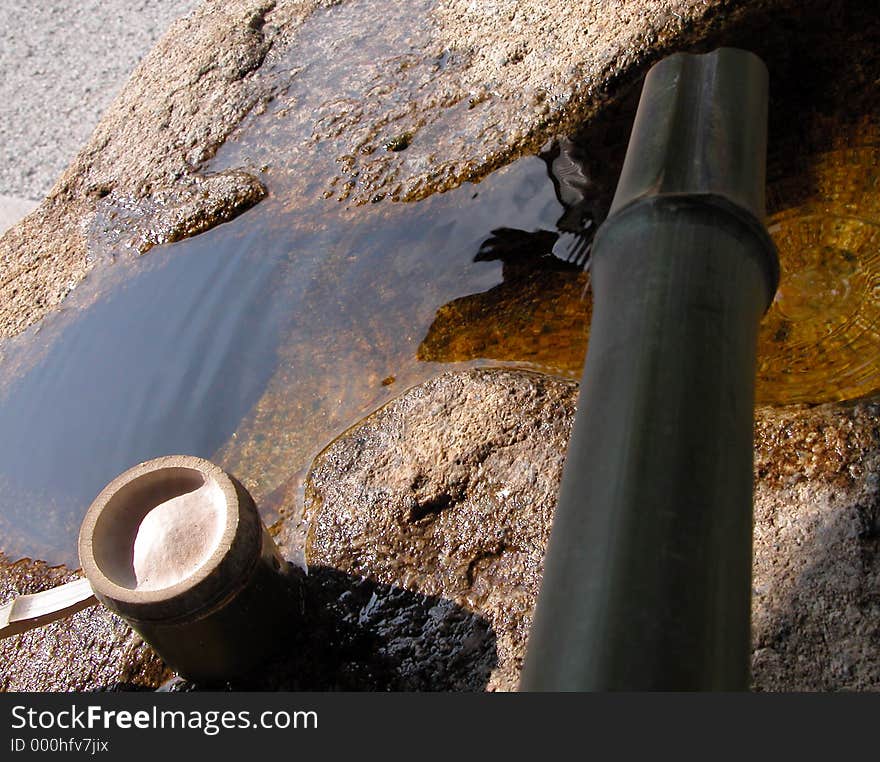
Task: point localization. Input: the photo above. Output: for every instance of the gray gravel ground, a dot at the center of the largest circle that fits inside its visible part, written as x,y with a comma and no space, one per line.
61,64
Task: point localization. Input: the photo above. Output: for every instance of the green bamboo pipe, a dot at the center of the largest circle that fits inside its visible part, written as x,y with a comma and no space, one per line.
647,578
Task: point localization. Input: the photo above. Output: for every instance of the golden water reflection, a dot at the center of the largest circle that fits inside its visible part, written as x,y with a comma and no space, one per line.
820,340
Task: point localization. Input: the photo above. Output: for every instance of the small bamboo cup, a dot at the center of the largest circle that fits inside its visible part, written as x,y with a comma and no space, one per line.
176,547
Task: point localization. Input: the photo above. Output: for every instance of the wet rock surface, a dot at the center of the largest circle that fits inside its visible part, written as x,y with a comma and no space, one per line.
133,225
465,513
93,650
449,491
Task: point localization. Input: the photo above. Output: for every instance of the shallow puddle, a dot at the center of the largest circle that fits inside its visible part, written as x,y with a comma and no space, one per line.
257,342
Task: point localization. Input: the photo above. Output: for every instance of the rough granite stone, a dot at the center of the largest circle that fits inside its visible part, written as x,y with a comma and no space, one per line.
93,650
449,491
816,598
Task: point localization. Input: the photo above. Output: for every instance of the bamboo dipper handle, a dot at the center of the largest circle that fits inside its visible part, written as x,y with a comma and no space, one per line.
27,612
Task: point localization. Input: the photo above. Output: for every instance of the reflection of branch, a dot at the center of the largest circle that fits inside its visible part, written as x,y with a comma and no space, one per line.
509,245
521,251
579,245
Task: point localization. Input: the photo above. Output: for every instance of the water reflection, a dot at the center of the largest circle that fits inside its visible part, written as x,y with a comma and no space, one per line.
585,203
820,341
257,342
252,344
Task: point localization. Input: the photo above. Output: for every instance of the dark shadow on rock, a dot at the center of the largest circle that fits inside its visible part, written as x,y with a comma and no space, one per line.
350,633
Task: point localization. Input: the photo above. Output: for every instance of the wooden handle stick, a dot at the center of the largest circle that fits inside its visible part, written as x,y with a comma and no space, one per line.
30,611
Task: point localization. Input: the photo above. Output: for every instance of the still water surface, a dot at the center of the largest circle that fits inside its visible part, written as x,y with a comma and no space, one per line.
256,342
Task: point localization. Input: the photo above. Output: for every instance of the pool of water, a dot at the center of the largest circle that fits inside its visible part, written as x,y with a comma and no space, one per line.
257,342
820,340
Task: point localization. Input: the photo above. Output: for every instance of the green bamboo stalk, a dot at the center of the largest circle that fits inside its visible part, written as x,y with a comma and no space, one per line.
648,572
